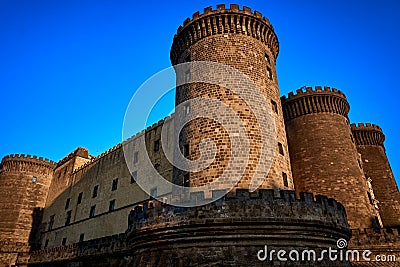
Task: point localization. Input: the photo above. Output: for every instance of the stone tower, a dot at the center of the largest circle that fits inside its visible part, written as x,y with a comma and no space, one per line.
369,140
247,42
24,184
323,153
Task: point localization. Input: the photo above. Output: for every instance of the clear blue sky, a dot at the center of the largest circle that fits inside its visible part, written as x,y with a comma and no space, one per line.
69,68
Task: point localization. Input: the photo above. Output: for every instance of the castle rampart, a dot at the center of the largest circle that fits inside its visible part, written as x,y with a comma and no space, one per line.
240,223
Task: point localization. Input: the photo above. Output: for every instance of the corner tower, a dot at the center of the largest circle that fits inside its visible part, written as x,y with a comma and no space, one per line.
246,41
24,185
323,153
369,140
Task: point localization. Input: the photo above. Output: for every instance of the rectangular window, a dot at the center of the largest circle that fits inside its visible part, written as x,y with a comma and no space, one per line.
68,219
111,207
114,184
51,222
81,237
46,244
153,192
67,203
133,177
280,147
95,191
64,241
80,198
92,211
269,73
285,180
186,150
186,180
156,145
187,109
274,106
135,157
187,76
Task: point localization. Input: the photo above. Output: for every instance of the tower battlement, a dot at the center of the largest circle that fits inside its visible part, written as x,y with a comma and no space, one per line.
367,134
314,100
223,20
26,163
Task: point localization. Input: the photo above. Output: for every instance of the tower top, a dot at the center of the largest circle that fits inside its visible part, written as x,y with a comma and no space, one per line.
222,20
367,134
314,100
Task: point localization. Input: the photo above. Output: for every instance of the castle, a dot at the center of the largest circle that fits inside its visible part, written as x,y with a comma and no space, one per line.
327,180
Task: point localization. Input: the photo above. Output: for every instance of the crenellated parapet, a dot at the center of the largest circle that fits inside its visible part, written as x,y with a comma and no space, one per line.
27,163
221,21
240,223
314,100
367,134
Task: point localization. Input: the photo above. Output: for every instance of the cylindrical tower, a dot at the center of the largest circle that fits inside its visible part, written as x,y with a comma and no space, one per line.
24,184
246,42
322,151
369,140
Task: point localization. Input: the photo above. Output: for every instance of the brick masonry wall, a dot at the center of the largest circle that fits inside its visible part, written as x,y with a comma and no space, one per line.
102,171
323,155
231,37
24,184
369,139
228,232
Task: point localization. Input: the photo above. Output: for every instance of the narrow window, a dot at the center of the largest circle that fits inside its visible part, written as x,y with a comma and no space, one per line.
269,73
114,184
135,157
186,109
64,241
267,58
34,179
274,106
280,147
80,198
65,170
187,76
67,203
186,180
81,237
51,222
92,211
156,145
95,191
111,207
285,180
46,243
186,150
68,219
133,177
153,192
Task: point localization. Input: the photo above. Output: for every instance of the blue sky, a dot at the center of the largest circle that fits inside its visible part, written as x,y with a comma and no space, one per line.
68,69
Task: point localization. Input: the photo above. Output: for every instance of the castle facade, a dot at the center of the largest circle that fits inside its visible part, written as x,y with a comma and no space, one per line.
327,179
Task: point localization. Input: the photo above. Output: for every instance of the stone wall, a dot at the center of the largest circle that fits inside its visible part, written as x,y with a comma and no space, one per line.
245,41
323,154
